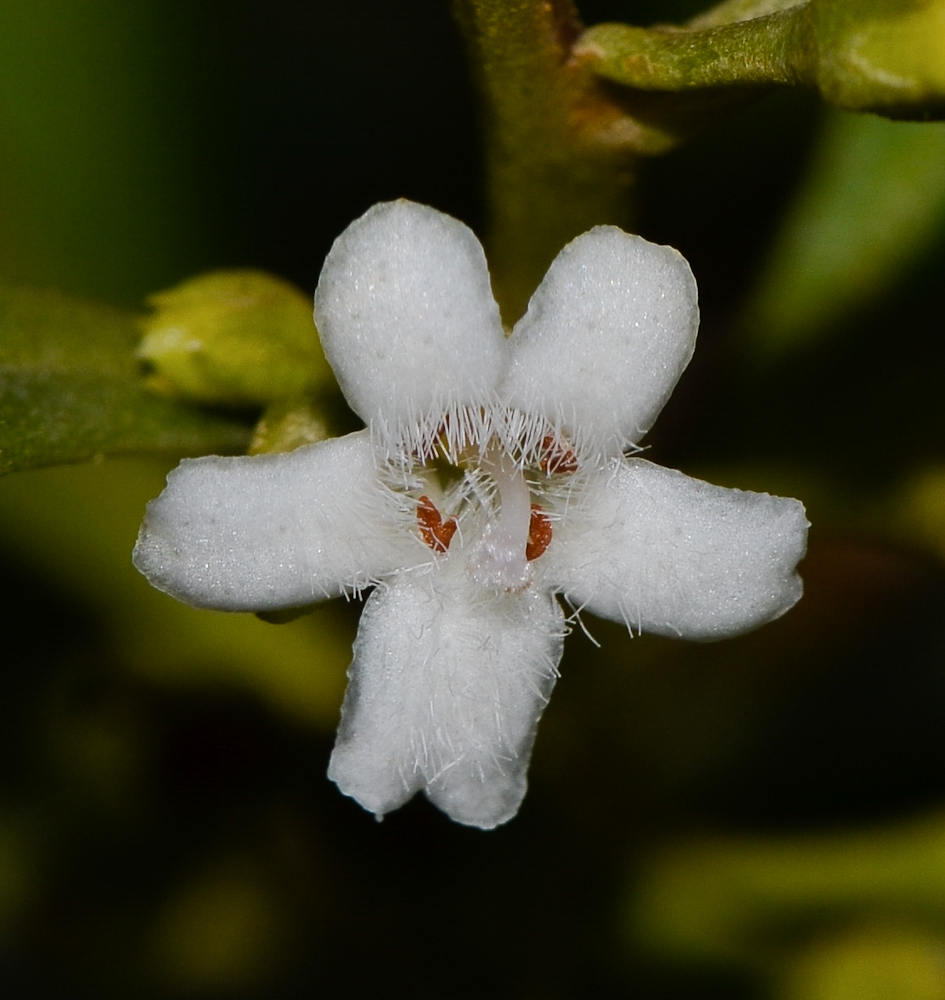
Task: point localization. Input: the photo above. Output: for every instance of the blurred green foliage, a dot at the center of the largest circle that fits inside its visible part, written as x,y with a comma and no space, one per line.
768,809
70,391
869,963
751,900
76,524
873,201
96,154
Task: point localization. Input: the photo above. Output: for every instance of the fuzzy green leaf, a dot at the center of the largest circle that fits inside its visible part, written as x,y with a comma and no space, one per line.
70,388
884,56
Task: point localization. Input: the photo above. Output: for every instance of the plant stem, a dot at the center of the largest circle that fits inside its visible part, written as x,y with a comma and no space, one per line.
557,158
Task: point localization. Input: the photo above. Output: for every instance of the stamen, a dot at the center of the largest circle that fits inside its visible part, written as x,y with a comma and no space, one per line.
435,532
539,534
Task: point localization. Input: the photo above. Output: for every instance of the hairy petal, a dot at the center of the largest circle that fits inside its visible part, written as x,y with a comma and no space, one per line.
406,315
446,688
605,338
665,553
275,531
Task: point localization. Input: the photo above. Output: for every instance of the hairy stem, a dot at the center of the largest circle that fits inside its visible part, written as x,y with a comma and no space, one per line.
557,156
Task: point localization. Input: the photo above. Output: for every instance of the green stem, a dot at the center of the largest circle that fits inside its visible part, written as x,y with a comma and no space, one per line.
557,157
569,116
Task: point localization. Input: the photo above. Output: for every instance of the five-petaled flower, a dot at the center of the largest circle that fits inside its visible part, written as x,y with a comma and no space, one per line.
492,477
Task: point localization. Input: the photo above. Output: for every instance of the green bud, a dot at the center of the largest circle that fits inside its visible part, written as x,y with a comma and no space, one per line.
233,338
289,424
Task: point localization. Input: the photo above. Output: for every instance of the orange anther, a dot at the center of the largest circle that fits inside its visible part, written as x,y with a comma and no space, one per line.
557,456
435,532
539,533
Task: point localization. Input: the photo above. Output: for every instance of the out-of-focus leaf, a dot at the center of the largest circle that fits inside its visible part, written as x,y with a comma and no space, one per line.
885,56
874,200
745,900
917,512
78,525
219,930
98,190
237,338
19,869
868,963
70,389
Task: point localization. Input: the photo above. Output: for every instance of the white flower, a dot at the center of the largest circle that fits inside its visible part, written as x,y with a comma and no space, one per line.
491,478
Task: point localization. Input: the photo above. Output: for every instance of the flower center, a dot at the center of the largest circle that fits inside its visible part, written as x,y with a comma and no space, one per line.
493,449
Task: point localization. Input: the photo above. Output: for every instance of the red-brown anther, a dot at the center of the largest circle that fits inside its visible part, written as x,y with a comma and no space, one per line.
435,532
557,457
539,533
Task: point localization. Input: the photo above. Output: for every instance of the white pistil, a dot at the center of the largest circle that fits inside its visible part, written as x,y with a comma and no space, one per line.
498,558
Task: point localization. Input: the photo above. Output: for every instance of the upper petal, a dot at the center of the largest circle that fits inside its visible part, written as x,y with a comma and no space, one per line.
606,335
446,688
665,553
406,315
275,531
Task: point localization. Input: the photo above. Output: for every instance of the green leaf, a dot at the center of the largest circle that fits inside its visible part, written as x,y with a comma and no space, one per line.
70,388
874,200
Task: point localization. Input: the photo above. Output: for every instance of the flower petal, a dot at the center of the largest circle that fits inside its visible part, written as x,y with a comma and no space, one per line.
605,338
446,688
665,553
406,315
275,531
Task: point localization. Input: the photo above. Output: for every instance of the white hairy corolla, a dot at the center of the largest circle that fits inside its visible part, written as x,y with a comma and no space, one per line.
492,478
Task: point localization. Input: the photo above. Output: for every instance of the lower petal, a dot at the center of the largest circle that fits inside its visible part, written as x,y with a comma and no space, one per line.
448,682
669,554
